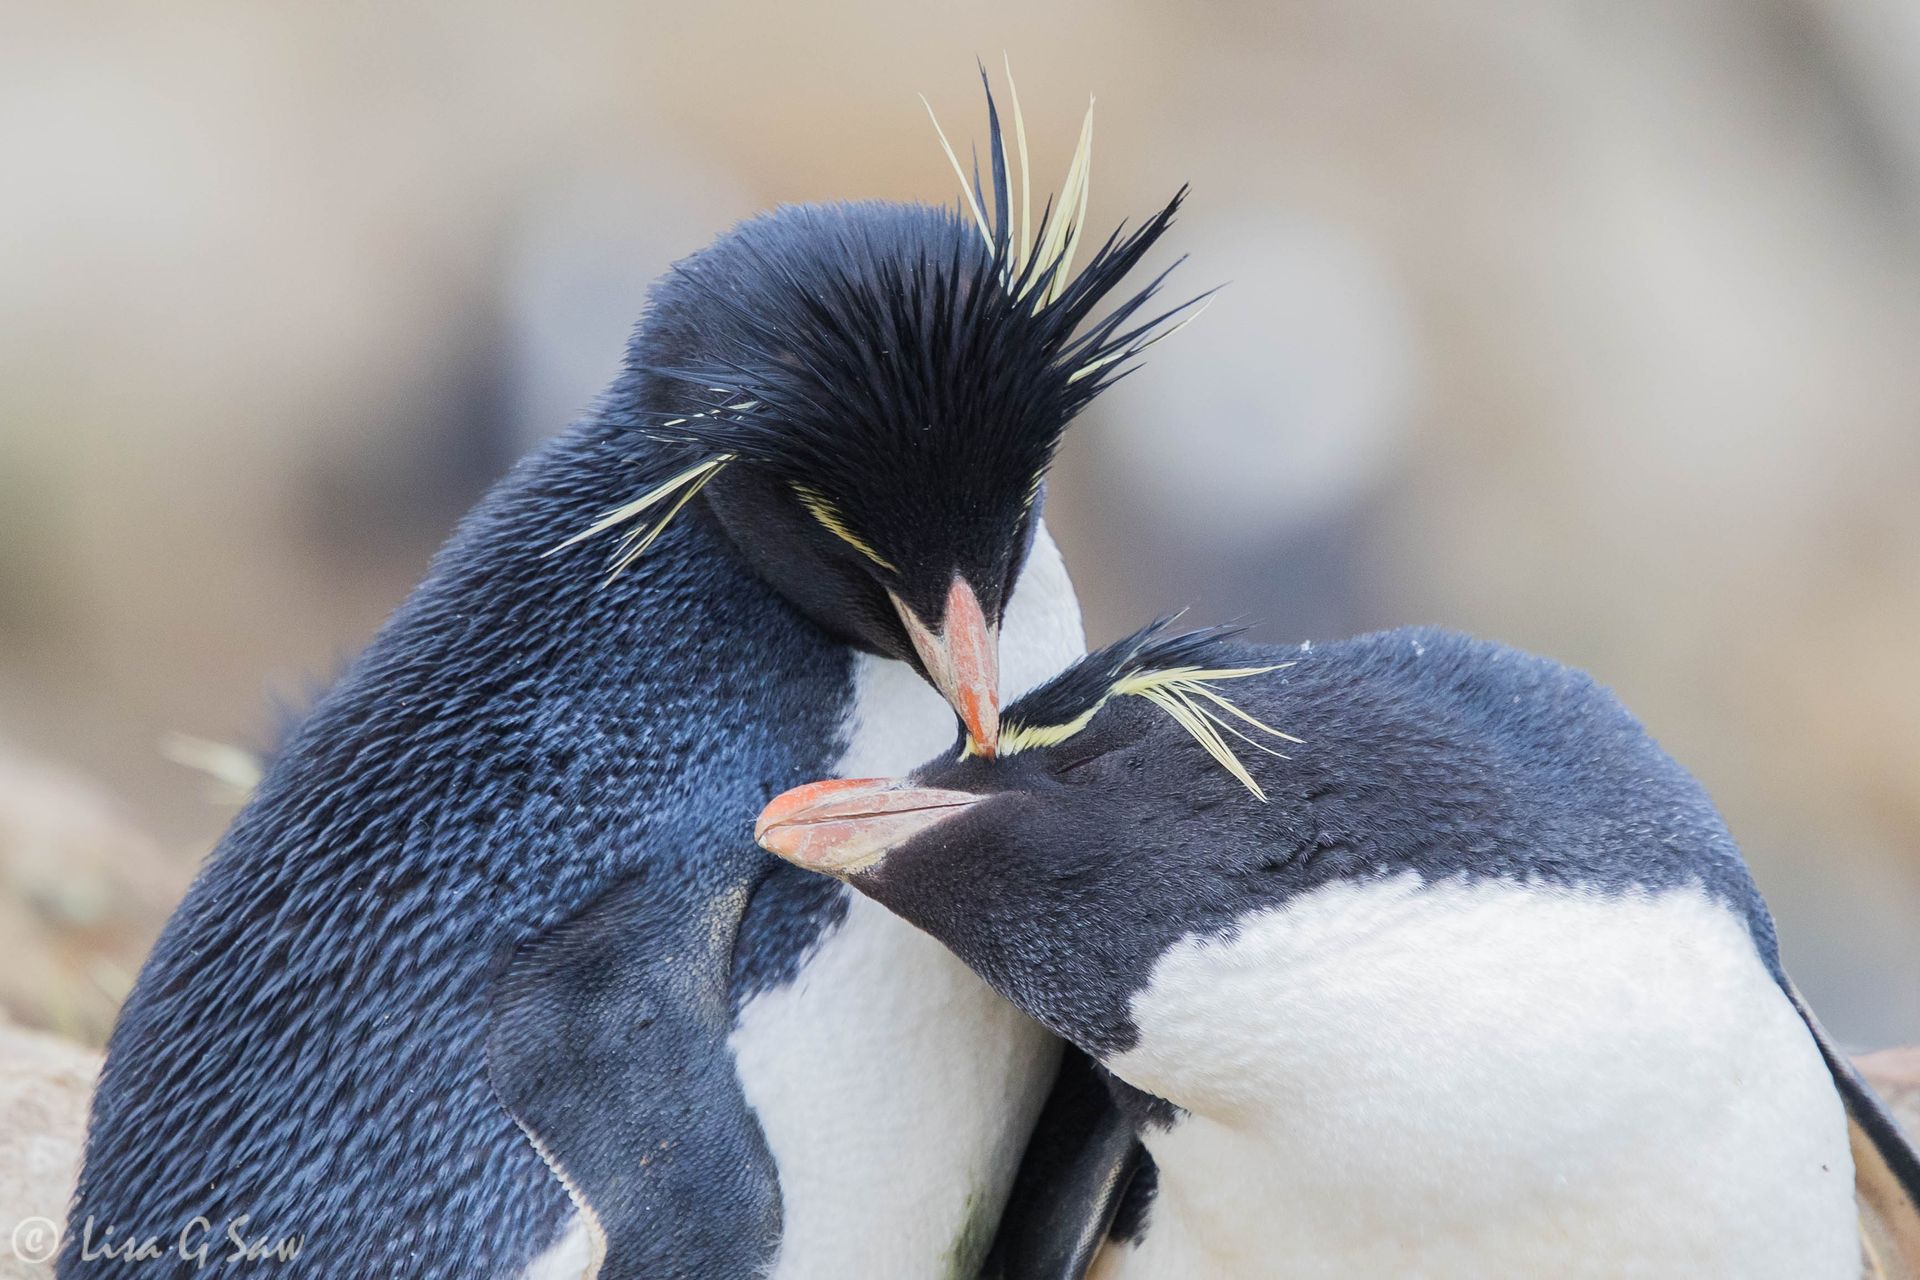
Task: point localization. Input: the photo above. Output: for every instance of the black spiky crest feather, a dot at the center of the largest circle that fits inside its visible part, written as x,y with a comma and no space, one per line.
906,371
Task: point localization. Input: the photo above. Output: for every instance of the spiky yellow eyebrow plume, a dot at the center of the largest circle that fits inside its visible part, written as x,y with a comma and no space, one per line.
1062,235
681,488
966,188
1184,693
1043,255
1025,737
829,517
1052,258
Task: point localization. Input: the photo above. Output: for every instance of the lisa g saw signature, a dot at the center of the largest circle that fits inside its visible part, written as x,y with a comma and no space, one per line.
201,1242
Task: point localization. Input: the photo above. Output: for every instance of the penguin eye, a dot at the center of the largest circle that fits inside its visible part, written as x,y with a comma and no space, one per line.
1079,760
829,518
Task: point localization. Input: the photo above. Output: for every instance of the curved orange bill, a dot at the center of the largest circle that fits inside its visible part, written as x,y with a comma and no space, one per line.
848,824
963,661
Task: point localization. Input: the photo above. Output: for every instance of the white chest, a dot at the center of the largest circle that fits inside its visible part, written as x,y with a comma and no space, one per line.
895,1089
1484,1081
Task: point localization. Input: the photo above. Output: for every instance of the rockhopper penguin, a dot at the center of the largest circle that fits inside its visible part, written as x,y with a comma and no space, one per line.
1467,979
488,978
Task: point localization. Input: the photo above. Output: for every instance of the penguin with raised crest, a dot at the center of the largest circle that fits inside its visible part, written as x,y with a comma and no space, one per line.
488,978
1406,955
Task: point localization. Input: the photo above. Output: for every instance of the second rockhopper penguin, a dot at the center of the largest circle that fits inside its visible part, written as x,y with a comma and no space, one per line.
1408,955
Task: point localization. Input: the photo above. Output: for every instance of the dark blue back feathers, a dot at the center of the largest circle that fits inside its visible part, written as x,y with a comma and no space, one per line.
1431,751
304,1046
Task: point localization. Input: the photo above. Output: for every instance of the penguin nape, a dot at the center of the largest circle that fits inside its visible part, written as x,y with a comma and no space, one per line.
488,977
1466,979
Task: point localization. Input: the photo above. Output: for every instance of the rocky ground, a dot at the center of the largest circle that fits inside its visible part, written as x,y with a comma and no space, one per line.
44,1083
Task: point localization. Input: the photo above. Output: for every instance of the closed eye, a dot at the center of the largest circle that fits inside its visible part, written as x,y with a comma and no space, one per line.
1078,762
834,523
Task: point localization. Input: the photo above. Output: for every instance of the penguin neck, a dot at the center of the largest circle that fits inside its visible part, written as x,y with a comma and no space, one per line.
883,1041
898,722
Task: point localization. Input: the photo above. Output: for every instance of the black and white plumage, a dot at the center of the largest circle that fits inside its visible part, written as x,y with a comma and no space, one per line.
488,979
1476,985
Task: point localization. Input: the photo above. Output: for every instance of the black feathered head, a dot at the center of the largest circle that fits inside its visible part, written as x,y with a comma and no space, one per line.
869,396
1090,712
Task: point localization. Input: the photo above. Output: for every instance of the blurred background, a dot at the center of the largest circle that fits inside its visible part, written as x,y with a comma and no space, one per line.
1585,325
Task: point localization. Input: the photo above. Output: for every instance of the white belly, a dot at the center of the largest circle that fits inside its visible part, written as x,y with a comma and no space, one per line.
1487,1081
895,1089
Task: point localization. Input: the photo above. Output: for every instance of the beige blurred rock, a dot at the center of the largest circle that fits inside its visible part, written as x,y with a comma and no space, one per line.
82,893
44,1086
1895,1075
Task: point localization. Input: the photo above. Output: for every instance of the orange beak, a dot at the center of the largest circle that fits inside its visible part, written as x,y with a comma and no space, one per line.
848,824
963,661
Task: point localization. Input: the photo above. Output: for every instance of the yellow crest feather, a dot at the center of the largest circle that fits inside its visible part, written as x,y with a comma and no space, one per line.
1187,695
681,488
1052,258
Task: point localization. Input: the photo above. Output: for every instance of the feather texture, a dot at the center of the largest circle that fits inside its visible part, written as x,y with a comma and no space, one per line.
1175,671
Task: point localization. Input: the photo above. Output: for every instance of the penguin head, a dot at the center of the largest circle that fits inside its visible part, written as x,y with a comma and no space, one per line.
1100,830
1172,786
868,397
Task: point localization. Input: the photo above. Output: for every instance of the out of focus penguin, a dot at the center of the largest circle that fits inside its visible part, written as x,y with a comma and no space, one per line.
1466,979
488,978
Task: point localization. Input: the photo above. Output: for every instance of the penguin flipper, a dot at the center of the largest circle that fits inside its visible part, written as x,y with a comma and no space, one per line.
1072,1179
607,1045
1886,1167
